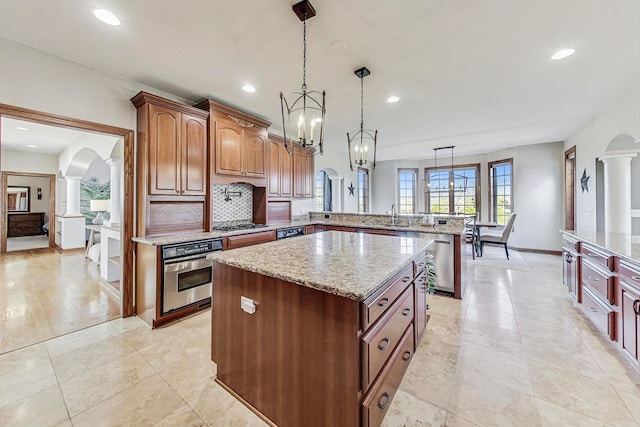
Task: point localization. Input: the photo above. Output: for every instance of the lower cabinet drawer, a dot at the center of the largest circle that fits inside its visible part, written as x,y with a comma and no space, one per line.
380,341
601,284
603,317
376,403
234,242
419,264
380,302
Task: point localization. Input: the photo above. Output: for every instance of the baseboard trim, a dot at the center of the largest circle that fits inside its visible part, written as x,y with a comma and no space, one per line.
537,251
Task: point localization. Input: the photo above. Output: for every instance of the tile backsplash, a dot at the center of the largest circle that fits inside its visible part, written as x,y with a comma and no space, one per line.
234,206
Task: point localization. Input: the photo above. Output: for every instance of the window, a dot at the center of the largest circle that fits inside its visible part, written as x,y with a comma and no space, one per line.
500,190
407,179
363,190
319,195
456,190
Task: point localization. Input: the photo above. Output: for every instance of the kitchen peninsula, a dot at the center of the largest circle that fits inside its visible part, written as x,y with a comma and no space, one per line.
319,330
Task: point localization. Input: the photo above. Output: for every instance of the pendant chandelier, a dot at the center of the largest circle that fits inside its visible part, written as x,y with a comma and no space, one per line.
303,111
361,139
452,176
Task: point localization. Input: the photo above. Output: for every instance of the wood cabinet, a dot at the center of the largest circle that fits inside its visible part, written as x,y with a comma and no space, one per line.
238,145
280,166
172,166
381,232
629,315
25,224
302,172
308,357
176,149
596,291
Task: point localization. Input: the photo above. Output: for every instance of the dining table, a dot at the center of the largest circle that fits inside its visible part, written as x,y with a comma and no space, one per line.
476,235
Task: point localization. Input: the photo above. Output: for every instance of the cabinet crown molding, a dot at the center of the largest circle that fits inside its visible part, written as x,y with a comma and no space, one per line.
243,123
219,111
144,97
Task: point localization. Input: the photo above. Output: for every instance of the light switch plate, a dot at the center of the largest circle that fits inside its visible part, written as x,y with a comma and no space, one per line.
635,213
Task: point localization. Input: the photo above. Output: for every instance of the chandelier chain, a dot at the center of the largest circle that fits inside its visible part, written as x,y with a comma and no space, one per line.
304,53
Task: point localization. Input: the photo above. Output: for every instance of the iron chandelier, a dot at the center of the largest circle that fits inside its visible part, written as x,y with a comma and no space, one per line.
362,138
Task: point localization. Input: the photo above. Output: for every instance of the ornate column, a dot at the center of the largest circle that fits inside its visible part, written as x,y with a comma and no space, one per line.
116,172
73,195
617,192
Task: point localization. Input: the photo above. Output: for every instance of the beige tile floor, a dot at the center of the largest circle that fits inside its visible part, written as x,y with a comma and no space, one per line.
27,242
514,352
45,294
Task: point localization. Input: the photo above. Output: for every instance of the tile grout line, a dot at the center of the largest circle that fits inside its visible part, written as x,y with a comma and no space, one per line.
66,407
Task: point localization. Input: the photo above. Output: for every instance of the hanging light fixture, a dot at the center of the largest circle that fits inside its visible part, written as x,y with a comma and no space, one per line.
361,139
305,107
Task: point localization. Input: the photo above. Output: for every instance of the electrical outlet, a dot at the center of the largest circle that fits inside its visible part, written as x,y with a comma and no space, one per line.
442,222
326,216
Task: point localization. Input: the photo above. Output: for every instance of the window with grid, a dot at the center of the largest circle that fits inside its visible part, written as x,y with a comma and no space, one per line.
363,190
319,196
500,190
407,179
452,190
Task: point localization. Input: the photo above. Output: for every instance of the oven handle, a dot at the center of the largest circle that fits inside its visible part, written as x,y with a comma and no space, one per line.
186,258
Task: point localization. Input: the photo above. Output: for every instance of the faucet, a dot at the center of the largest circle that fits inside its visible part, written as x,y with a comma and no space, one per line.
394,214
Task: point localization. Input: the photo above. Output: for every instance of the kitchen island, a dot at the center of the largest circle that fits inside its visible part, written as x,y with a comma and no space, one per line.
319,329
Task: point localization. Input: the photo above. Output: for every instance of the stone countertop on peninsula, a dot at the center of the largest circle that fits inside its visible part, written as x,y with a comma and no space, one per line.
622,244
352,265
350,221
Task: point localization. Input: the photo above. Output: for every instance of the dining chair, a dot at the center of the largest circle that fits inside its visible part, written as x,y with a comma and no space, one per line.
498,237
471,235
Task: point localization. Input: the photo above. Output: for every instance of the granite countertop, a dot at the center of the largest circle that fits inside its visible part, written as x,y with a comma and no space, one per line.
179,238
346,264
624,245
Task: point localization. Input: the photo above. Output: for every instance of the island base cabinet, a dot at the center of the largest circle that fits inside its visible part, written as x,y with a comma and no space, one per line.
296,358
630,322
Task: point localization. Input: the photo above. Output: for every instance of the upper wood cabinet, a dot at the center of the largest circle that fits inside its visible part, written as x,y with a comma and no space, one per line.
239,145
302,172
280,164
172,146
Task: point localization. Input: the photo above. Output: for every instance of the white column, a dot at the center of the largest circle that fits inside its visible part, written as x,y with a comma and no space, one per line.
116,171
336,193
73,195
617,192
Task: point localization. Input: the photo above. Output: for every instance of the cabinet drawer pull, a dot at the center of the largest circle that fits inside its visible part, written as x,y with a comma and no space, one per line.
406,356
384,400
406,279
636,278
383,302
636,307
384,343
595,310
595,279
406,312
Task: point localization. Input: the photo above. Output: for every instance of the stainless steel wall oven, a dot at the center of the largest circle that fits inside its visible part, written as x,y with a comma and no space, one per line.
188,274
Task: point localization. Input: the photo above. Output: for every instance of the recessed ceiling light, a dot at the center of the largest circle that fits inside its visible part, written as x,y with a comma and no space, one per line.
248,88
22,128
562,53
106,17
32,146
338,45
392,99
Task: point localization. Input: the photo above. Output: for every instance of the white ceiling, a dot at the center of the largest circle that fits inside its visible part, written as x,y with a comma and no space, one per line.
47,139
475,74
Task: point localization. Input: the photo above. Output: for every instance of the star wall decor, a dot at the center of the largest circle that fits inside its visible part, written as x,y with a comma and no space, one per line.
584,181
351,188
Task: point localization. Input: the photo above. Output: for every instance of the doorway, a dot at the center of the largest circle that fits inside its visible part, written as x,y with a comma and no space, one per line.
28,211
570,189
128,225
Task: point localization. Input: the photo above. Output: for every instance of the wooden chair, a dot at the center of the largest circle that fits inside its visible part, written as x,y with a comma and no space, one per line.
498,237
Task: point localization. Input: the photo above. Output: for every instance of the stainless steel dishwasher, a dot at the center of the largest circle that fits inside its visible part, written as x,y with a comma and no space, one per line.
442,251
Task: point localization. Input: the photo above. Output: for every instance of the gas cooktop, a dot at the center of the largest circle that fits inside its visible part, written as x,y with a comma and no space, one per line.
238,227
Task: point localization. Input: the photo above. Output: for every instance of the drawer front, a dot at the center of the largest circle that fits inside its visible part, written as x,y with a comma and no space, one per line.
381,340
234,242
597,256
601,284
379,302
376,403
570,244
631,273
339,228
603,317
